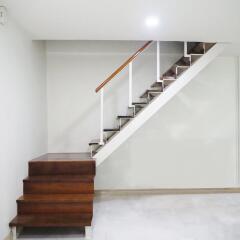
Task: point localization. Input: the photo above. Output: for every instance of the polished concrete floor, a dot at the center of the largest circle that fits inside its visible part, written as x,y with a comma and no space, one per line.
161,217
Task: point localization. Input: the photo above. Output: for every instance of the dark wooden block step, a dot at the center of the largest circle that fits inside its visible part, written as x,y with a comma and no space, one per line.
95,142
111,130
54,207
55,185
60,178
139,104
124,117
52,198
62,164
52,220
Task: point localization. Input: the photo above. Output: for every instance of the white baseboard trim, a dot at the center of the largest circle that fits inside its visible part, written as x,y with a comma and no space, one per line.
167,191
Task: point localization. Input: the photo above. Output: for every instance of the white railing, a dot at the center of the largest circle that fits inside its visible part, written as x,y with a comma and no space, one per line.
158,62
130,78
159,102
101,116
129,64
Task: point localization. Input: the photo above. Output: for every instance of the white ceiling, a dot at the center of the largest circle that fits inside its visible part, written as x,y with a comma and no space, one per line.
192,20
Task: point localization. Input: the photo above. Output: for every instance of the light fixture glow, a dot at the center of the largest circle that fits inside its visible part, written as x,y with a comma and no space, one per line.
152,21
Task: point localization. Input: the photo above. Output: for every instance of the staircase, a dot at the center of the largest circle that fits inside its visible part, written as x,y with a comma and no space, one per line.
58,192
197,55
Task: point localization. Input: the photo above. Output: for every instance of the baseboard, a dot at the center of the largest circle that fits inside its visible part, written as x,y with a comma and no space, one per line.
168,191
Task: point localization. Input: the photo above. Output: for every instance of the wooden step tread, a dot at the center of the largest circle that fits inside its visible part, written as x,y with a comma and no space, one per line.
139,103
52,220
111,130
60,178
64,157
95,142
58,187
53,198
125,116
62,164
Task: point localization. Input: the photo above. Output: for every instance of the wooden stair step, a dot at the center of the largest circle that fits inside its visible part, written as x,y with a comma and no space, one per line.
139,104
52,198
125,117
95,142
54,206
62,164
60,178
56,185
52,220
111,129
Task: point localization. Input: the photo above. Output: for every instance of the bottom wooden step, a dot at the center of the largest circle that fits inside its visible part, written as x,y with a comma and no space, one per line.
53,220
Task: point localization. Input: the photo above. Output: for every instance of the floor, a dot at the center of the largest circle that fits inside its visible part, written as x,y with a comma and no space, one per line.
166,217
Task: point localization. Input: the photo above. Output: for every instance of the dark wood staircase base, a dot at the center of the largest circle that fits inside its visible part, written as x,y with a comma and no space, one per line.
58,192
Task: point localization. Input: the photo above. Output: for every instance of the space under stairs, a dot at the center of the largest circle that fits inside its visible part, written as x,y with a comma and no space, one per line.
196,56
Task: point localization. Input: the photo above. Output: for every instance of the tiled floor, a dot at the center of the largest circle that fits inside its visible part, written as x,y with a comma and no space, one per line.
164,217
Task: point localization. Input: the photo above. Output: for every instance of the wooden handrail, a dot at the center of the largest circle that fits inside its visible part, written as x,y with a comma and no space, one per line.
122,66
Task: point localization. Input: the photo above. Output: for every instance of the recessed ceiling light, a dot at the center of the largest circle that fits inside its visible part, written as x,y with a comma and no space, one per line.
152,21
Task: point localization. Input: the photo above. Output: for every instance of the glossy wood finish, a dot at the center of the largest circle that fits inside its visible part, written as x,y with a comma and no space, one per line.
58,192
58,187
60,178
54,207
52,198
52,220
62,164
123,66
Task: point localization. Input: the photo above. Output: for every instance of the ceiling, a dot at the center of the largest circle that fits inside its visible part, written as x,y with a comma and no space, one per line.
179,20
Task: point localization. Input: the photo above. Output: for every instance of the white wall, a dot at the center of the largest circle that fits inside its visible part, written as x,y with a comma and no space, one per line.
75,69
23,113
191,142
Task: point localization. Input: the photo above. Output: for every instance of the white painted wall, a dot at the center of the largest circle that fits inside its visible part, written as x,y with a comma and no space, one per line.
75,69
23,113
191,142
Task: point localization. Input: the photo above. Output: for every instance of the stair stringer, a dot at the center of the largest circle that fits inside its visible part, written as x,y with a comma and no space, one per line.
158,103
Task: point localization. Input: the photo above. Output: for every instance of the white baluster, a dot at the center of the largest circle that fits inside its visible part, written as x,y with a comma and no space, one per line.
158,62
101,116
186,50
130,86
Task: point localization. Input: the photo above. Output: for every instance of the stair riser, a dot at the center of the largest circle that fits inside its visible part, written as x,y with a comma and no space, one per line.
60,208
58,187
62,168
